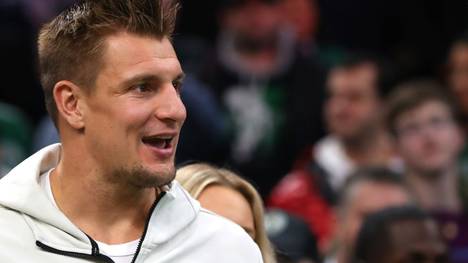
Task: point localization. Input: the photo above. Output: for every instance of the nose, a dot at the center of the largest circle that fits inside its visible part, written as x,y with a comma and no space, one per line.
169,105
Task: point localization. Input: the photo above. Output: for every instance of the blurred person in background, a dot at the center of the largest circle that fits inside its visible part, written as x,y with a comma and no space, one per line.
291,237
356,138
271,94
45,134
366,191
19,23
206,120
353,114
303,17
457,79
424,124
400,234
228,195
17,53
15,137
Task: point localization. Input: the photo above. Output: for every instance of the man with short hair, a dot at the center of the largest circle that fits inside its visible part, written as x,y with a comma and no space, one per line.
269,93
353,116
400,234
423,123
356,139
457,77
112,81
366,191
427,134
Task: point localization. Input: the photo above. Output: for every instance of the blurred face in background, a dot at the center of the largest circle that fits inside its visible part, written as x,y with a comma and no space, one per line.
428,138
230,204
415,241
458,77
353,105
255,23
302,15
363,199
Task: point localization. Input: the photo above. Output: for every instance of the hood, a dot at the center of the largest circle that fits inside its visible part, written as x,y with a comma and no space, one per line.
20,191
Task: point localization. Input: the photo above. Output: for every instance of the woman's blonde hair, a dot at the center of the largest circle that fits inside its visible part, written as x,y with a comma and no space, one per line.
197,177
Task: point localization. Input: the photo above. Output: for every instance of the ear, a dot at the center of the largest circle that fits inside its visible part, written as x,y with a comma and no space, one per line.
68,98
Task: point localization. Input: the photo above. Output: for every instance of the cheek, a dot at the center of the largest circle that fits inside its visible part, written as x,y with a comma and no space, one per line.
452,142
410,149
341,110
452,136
136,117
367,110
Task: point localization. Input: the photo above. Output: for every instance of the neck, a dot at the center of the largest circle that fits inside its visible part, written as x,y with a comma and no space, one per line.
343,255
373,148
107,212
436,191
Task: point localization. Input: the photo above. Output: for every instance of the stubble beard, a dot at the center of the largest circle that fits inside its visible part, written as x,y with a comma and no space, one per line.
140,177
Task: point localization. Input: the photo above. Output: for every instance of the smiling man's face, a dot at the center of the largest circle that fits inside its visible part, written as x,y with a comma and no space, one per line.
134,114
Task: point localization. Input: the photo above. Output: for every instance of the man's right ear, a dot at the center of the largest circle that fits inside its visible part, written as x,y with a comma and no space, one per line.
67,96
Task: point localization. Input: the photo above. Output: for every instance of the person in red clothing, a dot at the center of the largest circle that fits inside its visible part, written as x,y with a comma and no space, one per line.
365,191
356,139
300,193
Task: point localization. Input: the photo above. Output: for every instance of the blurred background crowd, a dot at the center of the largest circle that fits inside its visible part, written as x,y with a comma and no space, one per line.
348,117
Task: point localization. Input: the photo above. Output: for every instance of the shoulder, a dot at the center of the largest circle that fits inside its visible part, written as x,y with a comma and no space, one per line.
15,232
10,219
222,227
294,185
226,237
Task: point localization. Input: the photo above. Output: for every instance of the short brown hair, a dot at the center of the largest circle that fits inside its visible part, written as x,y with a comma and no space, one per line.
412,95
369,174
71,46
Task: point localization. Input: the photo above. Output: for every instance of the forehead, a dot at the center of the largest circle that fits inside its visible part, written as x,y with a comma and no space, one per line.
137,44
127,54
459,53
358,77
367,197
425,110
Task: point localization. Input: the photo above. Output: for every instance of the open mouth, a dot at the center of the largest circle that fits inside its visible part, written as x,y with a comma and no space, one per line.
160,142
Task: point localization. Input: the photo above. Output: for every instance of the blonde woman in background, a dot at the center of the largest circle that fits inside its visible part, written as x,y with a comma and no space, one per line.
227,194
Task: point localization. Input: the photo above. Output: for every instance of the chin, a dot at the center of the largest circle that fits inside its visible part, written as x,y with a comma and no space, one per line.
165,172
146,177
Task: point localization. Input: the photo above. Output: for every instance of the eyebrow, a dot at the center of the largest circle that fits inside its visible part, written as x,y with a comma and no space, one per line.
149,78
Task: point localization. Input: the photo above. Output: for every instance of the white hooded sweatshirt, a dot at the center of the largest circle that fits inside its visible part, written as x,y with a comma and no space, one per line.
32,229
